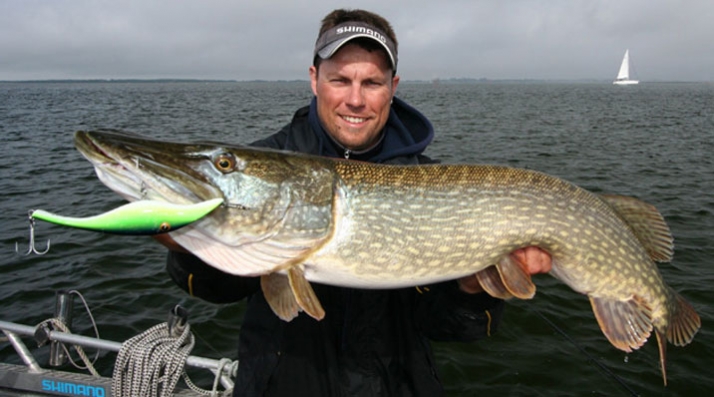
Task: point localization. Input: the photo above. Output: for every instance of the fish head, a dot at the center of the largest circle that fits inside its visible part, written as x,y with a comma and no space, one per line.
250,181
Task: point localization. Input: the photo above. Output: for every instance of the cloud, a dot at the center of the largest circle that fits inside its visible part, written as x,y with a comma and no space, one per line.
43,39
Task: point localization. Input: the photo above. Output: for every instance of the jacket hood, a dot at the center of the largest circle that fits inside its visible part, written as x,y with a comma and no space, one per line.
406,133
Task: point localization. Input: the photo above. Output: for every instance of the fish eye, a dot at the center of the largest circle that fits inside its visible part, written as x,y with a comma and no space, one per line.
225,163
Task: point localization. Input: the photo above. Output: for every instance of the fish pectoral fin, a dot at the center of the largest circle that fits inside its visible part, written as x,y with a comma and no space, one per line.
626,323
490,281
646,223
515,279
291,294
304,294
279,295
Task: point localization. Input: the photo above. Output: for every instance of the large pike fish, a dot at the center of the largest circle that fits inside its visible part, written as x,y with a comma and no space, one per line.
290,218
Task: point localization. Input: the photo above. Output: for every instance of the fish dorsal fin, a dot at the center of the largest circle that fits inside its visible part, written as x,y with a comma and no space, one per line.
516,280
290,294
626,323
646,223
490,281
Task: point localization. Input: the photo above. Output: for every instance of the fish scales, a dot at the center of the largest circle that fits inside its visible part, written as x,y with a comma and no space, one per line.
290,218
488,210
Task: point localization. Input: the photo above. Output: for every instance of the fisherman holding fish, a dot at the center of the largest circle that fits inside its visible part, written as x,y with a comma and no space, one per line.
370,342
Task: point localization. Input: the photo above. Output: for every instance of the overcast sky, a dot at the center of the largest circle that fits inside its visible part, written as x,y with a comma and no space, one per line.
669,40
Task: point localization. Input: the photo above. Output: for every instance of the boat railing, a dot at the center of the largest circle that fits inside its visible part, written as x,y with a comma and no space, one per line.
32,377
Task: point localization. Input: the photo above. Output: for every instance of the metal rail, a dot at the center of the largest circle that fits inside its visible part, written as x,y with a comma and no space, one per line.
85,341
37,379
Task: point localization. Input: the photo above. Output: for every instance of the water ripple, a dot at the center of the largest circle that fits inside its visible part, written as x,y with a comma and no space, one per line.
653,142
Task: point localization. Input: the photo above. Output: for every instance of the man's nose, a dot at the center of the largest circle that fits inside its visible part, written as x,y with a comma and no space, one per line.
355,97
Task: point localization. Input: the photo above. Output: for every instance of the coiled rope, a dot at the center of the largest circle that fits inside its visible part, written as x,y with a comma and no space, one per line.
151,363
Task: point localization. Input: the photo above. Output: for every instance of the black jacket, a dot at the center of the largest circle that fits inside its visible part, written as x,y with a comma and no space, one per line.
371,342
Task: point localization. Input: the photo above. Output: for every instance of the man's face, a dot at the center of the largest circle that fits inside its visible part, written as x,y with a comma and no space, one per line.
354,90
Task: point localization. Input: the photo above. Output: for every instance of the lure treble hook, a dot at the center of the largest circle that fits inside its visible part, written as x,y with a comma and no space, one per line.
32,248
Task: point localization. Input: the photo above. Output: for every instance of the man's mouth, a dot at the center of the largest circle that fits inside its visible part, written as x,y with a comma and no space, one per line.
354,120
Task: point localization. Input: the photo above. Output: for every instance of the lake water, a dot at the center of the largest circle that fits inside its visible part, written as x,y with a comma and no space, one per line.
652,141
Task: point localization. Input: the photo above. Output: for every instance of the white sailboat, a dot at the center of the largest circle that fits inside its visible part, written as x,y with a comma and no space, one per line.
623,76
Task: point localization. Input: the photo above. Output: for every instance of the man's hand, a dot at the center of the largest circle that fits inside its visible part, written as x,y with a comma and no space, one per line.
533,260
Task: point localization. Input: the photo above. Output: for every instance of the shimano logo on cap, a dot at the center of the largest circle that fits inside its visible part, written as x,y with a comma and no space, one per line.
361,30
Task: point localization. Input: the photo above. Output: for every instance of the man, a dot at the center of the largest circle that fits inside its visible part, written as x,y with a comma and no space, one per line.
371,342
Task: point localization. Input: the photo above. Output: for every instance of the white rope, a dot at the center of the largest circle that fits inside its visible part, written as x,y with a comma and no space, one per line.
151,363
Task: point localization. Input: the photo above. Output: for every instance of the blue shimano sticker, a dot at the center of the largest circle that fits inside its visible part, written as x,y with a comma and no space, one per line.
73,389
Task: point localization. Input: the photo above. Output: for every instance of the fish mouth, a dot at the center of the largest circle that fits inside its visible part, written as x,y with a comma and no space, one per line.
138,168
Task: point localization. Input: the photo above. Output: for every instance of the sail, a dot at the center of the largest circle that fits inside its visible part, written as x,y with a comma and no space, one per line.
624,73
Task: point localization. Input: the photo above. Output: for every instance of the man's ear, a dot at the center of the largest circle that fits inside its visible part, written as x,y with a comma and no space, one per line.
313,79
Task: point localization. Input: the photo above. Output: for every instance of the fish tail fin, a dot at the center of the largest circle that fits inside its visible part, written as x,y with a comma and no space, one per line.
684,322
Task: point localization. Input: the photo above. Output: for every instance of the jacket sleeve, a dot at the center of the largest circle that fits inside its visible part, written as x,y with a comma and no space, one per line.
446,313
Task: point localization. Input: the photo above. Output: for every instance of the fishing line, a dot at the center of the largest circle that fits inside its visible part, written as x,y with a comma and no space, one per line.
590,357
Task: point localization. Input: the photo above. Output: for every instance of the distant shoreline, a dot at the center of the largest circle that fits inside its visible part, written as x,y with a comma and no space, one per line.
121,81
434,81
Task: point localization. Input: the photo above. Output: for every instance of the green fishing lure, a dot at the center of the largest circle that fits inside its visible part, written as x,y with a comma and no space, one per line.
143,217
